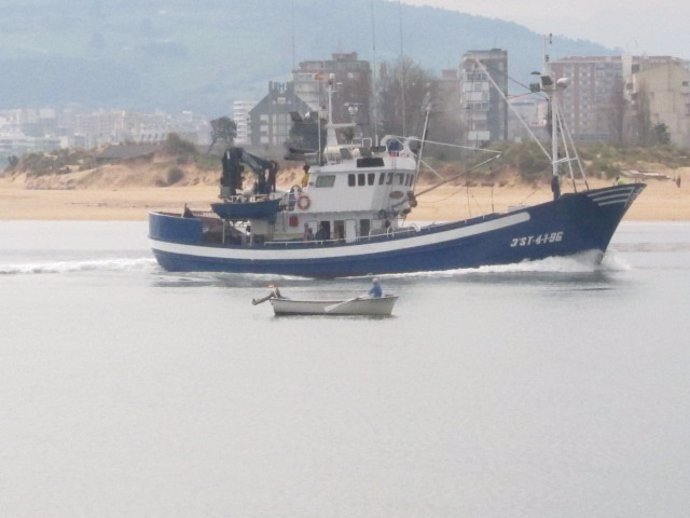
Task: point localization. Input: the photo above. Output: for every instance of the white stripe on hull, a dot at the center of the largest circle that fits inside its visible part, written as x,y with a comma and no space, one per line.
277,254
621,195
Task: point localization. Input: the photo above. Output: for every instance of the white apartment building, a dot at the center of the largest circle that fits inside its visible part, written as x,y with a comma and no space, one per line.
485,112
240,114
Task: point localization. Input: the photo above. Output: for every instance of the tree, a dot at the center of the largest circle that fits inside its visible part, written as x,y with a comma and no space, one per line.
224,129
445,124
402,89
642,121
617,112
12,161
661,134
176,145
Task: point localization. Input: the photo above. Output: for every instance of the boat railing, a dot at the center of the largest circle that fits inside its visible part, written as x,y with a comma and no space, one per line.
381,236
390,233
303,243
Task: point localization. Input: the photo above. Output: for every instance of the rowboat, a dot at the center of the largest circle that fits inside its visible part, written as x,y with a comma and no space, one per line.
365,305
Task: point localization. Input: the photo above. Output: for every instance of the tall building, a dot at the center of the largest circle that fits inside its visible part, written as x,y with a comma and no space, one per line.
660,87
240,114
351,99
588,103
531,112
270,119
622,98
485,109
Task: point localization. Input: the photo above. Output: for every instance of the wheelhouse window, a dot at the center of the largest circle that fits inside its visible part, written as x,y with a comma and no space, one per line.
351,180
370,178
327,180
361,179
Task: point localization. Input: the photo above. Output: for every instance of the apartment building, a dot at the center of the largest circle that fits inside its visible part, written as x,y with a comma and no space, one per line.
607,95
352,81
270,119
660,86
240,114
483,86
595,82
527,117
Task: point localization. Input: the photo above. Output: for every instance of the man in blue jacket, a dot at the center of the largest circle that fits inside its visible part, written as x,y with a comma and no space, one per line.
375,291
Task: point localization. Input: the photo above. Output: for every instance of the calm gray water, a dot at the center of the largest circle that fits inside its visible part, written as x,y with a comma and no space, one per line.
554,389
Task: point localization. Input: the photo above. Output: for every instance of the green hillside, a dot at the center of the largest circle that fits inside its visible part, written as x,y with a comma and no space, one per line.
203,54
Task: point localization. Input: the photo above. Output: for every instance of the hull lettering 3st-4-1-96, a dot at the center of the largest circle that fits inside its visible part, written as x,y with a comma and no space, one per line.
541,239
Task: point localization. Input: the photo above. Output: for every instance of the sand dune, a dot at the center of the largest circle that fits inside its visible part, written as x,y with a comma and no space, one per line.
118,193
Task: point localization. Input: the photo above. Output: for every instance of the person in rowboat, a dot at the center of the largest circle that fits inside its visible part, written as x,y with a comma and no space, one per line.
375,291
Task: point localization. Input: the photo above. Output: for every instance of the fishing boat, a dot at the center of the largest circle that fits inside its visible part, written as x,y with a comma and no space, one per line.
351,217
365,306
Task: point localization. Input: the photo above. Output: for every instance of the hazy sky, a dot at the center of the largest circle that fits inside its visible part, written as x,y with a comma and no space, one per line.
660,27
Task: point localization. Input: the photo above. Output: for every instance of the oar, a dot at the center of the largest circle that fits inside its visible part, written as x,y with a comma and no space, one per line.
264,299
333,307
275,294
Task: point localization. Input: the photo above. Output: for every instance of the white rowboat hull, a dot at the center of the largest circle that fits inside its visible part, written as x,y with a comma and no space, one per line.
382,306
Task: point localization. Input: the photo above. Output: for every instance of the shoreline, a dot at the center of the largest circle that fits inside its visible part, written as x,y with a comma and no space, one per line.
660,201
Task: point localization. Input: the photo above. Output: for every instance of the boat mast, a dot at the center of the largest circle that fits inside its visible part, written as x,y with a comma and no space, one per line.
553,89
374,111
331,139
425,132
548,86
402,72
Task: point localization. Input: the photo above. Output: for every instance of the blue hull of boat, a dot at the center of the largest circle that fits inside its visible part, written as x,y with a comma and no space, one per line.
572,224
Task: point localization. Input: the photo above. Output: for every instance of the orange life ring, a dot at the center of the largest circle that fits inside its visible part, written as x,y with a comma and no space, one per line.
303,202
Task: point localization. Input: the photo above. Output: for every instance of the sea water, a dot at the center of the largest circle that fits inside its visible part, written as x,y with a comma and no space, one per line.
555,388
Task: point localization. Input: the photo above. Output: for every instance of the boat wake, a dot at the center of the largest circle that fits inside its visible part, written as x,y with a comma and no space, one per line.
584,262
70,266
227,280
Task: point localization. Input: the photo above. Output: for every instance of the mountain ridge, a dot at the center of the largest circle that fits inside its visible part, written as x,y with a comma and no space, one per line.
181,54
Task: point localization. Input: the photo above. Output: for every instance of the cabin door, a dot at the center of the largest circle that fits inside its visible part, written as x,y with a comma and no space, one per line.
350,230
338,230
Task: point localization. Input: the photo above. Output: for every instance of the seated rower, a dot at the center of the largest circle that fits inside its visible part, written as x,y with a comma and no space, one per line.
375,292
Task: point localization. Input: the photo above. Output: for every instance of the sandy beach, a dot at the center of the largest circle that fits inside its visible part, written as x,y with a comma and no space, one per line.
663,200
